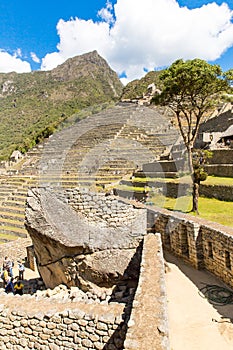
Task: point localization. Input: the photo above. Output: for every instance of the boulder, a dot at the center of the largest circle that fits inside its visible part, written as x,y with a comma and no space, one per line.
75,250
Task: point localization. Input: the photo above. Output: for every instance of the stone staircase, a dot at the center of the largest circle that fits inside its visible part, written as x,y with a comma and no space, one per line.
12,205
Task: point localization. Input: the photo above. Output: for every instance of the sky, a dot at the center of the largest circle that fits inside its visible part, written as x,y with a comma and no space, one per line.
133,36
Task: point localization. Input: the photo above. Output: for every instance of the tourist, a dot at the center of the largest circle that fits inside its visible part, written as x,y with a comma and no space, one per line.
21,269
8,265
9,288
18,287
5,277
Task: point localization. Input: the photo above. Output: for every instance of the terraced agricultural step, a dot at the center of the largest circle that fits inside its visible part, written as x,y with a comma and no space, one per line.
4,238
128,130
22,193
11,203
3,197
17,198
12,209
14,231
4,190
11,223
11,215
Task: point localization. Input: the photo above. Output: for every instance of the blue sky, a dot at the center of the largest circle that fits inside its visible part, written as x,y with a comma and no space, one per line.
132,35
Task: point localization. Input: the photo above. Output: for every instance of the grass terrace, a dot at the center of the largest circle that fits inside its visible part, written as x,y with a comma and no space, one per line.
209,208
211,180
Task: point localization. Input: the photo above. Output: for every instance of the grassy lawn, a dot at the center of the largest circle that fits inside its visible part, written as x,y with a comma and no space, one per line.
215,180
209,208
211,180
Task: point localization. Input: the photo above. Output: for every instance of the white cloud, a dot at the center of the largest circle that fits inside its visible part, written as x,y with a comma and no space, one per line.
52,60
146,34
34,57
12,63
18,53
106,13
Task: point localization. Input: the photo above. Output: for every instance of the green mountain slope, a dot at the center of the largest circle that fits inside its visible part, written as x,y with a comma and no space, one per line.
136,88
33,104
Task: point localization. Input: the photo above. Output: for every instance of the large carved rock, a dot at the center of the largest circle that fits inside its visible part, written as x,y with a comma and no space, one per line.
78,249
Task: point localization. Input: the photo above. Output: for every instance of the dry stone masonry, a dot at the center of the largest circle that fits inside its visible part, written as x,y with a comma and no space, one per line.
148,324
99,305
107,210
77,327
201,243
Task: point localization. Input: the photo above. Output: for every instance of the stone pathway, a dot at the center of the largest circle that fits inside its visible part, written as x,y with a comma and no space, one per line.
194,323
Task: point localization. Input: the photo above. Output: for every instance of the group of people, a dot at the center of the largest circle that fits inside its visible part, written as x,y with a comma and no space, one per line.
12,284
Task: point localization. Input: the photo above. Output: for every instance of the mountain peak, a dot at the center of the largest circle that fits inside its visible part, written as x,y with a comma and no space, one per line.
32,104
82,65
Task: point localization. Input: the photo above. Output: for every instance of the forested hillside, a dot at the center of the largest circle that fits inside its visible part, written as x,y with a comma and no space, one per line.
32,105
136,88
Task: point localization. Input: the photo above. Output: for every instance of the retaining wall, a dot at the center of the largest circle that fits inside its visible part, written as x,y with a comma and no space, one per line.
221,192
221,163
175,190
107,210
46,326
221,156
201,243
222,170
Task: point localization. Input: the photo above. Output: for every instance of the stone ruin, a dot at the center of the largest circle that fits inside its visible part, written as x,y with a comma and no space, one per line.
84,239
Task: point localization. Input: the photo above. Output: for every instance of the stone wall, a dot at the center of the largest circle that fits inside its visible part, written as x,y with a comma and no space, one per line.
175,190
42,326
223,170
221,163
218,252
198,242
163,166
45,321
221,192
148,325
221,156
201,243
107,210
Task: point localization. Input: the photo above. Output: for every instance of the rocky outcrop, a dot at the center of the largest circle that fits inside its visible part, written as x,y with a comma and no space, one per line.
74,248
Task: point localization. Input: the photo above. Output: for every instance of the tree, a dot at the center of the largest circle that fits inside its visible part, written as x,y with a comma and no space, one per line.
193,89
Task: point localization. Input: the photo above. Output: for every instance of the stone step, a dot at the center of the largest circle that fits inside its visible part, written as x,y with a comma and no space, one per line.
14,231
5,238
11,222
162,174
12,209
11,215
17,197
17,204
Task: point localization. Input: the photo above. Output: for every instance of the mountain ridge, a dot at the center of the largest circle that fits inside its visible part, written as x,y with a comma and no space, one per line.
33,105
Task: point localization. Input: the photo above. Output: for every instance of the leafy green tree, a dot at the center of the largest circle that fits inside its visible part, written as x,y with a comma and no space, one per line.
193,89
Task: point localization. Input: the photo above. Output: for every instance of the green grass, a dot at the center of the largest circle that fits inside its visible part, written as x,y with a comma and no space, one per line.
211,180
132,188
7,237
209,208
215,180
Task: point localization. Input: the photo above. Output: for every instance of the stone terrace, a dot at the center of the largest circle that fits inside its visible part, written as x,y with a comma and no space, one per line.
98,150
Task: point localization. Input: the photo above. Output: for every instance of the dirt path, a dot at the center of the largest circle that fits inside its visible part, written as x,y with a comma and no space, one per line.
194,323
